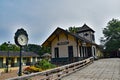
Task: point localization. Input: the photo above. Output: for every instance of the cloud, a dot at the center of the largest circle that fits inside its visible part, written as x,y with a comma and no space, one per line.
41,17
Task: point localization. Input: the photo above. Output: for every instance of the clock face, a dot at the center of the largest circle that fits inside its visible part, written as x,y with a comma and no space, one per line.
22,40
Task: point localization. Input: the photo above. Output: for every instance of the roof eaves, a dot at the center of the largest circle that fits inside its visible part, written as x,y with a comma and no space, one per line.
50,36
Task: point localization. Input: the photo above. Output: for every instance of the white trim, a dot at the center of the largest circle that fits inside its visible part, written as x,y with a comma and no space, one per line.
94,51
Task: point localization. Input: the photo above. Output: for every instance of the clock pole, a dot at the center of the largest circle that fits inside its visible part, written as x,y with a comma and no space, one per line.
21,39
20,63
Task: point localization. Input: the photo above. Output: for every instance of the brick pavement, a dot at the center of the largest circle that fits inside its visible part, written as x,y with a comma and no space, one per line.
103,69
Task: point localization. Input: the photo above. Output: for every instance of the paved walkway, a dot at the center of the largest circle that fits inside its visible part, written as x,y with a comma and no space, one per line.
12,73
103,69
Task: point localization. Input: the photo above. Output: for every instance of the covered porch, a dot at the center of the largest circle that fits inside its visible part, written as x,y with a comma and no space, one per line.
12,60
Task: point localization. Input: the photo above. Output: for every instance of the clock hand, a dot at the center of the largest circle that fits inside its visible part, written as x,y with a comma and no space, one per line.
21,39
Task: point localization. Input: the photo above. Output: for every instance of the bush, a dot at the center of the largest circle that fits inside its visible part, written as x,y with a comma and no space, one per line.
44,64
32,69
39,66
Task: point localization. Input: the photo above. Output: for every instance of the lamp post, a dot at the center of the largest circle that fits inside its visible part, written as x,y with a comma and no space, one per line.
7,63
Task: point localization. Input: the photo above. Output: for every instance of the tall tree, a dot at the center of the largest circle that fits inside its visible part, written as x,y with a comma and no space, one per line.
73,29
112,36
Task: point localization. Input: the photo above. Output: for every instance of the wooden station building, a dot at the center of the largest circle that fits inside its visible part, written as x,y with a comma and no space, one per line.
67,47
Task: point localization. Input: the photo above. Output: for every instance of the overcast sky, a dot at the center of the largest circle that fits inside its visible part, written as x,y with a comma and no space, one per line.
41,17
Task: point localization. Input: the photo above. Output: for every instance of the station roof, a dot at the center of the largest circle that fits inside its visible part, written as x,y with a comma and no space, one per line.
16,54
59,30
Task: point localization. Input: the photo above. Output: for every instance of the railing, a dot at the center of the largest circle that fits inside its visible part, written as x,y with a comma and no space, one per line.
56,73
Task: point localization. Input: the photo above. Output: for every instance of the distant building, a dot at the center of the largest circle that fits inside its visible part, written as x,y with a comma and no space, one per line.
28,58
68,47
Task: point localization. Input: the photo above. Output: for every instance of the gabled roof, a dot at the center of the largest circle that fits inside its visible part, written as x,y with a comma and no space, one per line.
58,31
85,28
16,54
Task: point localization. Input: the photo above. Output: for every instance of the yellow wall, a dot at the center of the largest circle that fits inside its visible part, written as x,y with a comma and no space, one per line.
73,43
4,59
31,59
63,49
36,59
15,60
99,53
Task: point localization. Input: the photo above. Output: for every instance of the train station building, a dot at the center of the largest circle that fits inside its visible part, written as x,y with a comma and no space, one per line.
67,47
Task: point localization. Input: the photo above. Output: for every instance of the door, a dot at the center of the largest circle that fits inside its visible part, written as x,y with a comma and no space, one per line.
56,52
89,51
70,53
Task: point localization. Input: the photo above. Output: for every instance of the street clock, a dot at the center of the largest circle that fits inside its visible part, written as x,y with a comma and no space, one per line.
21,37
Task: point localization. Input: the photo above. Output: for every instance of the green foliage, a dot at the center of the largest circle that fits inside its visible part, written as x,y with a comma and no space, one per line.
12,47
38,67
29,48
73,29
45,50
112,35
32,48
4,47
37,49
44,64
112,29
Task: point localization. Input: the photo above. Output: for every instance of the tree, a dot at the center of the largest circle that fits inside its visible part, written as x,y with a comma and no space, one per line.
29,48
112,36
45,50
37,49
72,29
4,47
33,48
12,47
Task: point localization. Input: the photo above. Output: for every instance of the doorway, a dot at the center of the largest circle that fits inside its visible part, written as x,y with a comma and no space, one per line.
70,53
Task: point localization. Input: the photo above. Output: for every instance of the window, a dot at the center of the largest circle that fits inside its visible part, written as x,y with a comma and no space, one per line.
56,52
80,51
83,51
93,38
86,34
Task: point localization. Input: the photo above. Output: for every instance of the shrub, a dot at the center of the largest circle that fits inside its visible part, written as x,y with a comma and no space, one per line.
32,69
44,64
39,66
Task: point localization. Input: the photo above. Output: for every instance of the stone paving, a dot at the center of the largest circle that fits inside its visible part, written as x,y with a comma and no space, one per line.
103,69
